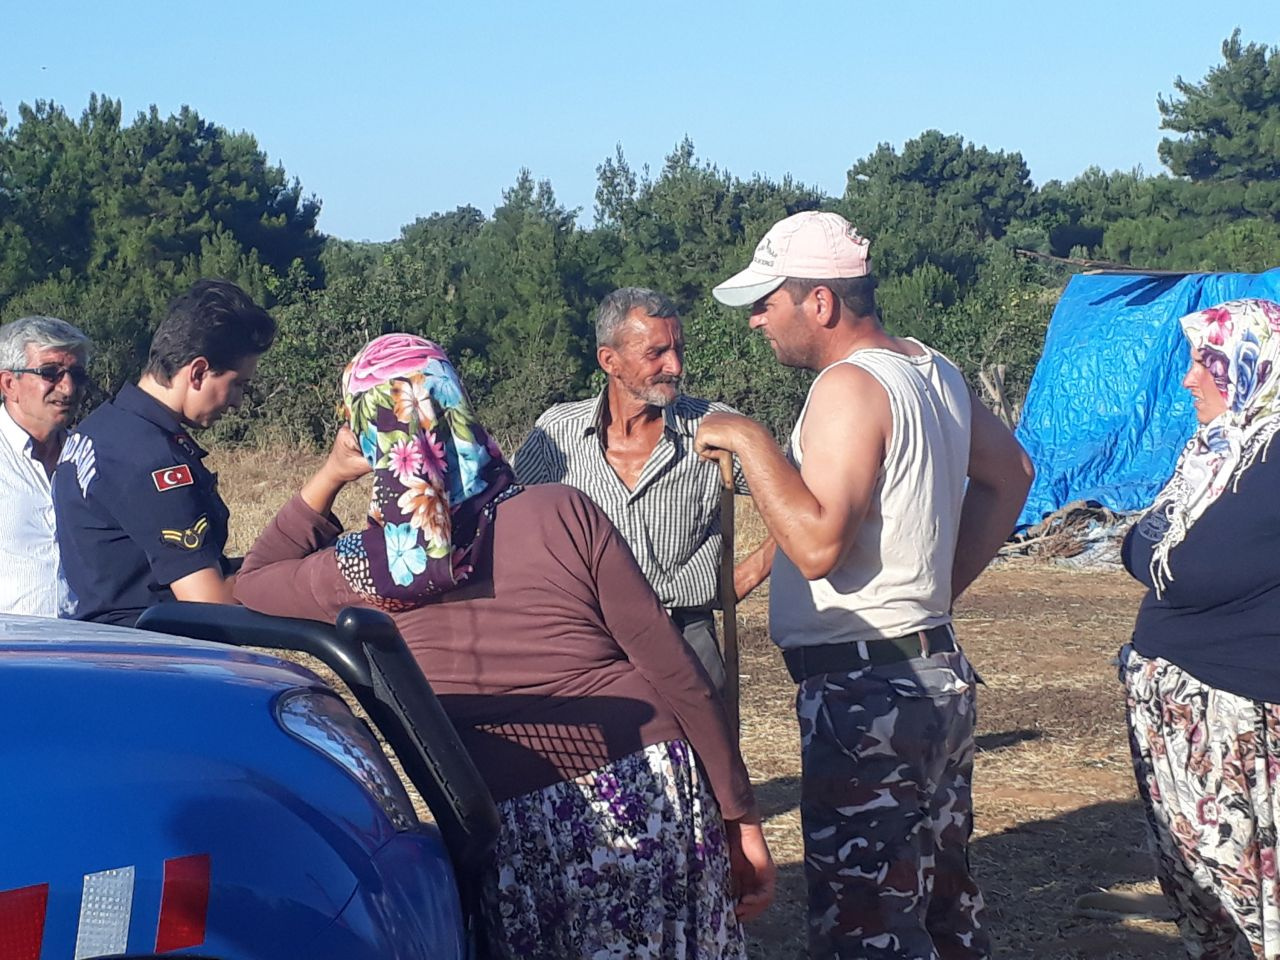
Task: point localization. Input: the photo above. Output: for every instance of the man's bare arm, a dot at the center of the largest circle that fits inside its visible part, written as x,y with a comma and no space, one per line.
1000,474
813,514
754,568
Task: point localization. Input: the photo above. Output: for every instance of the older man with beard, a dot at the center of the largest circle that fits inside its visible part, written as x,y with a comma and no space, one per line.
631,450
42,378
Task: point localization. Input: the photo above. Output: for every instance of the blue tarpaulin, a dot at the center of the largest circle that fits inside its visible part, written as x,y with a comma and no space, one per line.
1106,415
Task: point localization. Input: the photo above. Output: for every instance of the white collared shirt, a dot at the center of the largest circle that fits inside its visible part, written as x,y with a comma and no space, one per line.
31,579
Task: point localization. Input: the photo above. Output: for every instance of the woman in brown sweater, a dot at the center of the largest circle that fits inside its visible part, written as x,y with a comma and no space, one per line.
628,822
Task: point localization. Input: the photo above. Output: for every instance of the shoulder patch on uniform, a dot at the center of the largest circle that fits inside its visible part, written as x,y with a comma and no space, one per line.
192,538
167,478
78,451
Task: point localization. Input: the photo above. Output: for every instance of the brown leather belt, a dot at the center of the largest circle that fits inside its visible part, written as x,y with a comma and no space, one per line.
805,662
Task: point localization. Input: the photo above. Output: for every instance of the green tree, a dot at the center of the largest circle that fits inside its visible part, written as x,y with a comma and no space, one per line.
672,230
103,222
938,201
350,258
524,329
1230,121
686,230
1243,245
443,246
1075,215
319,331
46,181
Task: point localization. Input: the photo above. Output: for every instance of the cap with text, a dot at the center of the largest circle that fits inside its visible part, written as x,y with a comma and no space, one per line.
813,245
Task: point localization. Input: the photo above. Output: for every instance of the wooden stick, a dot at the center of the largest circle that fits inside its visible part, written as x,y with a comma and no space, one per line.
1098,266
728,594
993,383
998,376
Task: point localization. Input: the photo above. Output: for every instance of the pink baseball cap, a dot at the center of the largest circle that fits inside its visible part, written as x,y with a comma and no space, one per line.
814,245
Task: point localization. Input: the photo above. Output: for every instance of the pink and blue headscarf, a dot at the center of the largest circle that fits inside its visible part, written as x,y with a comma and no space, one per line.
437,476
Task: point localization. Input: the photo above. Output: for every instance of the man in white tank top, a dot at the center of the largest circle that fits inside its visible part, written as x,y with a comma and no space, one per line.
897,490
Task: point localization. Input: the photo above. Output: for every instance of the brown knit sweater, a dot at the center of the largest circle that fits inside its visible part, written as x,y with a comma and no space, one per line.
554,659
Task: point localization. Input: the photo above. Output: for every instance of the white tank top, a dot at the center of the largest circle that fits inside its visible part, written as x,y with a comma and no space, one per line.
895,578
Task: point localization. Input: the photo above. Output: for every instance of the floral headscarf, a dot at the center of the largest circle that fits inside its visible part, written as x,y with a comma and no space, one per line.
437,475
1239,342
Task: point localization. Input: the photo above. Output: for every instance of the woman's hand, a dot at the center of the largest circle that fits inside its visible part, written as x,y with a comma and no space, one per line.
346,461
751,867
344,464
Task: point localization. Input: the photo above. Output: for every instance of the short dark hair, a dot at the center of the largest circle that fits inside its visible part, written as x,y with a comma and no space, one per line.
216,320
858,294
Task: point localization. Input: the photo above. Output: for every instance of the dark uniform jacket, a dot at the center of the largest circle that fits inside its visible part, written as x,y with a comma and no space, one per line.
136,508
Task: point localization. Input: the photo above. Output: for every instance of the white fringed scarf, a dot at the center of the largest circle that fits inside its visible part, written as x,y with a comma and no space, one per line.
1240,344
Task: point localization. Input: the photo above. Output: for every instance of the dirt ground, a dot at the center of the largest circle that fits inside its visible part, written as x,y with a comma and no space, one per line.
1056,811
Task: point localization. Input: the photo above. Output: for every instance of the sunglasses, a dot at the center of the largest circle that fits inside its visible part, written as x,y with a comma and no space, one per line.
52,374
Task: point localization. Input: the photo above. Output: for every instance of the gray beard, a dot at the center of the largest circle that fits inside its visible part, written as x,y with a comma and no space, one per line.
655,398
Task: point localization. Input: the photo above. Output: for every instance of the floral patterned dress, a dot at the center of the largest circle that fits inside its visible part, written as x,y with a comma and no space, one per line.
627,861
1208,766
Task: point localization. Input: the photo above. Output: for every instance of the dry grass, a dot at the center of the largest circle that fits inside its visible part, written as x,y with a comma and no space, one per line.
257,482
1056,810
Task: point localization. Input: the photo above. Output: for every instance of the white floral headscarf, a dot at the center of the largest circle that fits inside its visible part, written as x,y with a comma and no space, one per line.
1240,345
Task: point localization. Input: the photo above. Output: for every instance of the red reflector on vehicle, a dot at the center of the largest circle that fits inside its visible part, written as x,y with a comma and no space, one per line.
184,903
22,922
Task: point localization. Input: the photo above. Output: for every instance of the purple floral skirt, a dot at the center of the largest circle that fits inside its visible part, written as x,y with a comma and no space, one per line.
627,861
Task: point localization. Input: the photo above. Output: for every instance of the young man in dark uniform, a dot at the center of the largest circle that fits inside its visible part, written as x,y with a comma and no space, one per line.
138,514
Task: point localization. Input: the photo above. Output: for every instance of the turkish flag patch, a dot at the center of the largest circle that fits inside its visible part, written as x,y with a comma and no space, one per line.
170,477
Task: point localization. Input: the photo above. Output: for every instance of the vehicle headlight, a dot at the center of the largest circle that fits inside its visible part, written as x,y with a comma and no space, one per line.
324,721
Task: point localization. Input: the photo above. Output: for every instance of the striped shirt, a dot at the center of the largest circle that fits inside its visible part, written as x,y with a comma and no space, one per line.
671,520
31,579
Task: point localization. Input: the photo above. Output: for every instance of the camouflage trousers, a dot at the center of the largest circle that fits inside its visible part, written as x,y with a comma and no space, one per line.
886,809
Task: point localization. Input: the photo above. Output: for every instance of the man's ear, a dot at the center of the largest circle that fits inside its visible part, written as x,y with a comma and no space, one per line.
7,380
825,305
607,357
197,371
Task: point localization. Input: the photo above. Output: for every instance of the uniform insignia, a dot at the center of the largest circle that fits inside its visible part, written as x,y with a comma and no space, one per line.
167,478
186,444
78,450
192,538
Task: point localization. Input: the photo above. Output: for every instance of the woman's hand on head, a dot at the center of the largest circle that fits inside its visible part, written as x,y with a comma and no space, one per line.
751,867
346,461
344,464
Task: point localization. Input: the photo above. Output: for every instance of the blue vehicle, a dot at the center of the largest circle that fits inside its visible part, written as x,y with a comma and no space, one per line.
164,795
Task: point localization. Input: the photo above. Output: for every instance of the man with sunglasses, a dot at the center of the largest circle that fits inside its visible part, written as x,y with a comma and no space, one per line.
139,515
42,379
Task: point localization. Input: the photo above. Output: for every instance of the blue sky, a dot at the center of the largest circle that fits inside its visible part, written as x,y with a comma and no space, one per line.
389,111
